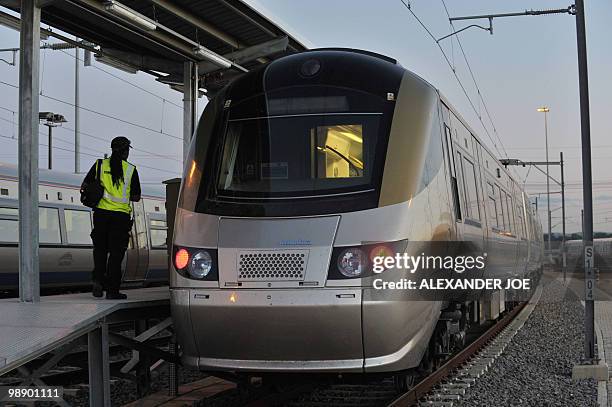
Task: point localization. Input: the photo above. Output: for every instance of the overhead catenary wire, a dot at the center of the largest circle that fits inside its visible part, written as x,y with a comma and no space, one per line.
461,85
108,116
150,153
88,154
467,62
163,99
68,128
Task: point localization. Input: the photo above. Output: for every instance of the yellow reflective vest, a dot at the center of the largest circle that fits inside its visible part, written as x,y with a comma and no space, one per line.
116,197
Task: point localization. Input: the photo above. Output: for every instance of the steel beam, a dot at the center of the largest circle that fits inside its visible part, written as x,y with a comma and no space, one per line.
77,125
99,369
190,104
143,348
198,22
144,62
143,374
29,62
255,52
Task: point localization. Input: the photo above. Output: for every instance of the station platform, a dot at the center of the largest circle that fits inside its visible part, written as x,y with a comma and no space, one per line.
603,327
28,330
603,324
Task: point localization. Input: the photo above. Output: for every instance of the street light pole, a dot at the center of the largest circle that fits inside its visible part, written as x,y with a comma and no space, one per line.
51,120
50,164
563,252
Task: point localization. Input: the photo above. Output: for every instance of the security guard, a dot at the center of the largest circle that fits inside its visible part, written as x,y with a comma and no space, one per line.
112,217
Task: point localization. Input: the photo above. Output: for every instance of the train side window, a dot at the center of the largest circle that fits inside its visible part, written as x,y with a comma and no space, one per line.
49,226
520,230
491,205
473,207
511,225
9,230
78,226
9,226
159,233
453,172
158,237
3,191
9,211
500,208
461,184
506,213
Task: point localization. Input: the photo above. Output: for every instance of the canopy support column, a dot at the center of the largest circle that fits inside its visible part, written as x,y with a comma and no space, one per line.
29,62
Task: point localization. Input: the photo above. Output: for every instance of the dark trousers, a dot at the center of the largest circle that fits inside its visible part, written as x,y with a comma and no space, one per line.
110,237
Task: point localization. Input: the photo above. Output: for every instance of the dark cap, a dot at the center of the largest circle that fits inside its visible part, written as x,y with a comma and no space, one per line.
119,143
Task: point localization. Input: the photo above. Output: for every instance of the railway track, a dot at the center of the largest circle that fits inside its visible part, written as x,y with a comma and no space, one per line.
449,382
440,388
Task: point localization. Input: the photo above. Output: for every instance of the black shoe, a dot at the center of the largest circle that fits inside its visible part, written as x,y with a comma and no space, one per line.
97,290
115,296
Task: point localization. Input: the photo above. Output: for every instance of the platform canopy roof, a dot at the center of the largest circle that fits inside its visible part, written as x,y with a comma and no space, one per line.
225,37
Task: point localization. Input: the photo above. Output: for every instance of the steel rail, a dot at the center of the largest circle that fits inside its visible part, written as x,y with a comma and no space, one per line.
421,389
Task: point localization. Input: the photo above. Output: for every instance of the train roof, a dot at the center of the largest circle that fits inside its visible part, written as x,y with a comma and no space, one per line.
72,180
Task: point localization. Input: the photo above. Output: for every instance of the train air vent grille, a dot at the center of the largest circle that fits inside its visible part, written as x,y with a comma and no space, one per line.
272,265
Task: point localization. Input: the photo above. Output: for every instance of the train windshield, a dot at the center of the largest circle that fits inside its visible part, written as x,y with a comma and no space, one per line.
297,150
298,155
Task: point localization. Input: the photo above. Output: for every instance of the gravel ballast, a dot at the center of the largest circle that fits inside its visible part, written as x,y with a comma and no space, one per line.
536,367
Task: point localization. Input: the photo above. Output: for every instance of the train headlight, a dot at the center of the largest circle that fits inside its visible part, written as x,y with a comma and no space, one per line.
181,259
352,262
201,264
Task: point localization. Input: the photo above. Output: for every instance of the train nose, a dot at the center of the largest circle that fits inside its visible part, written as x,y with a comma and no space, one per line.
275,330
272,311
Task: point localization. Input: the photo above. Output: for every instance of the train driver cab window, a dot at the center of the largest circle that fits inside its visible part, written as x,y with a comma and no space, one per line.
9,226
78,226
338,151
306,155
49,226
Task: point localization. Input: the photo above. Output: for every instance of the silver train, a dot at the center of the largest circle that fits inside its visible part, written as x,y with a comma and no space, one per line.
65,226
310,161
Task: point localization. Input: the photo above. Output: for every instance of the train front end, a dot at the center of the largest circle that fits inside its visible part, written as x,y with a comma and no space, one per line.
298,174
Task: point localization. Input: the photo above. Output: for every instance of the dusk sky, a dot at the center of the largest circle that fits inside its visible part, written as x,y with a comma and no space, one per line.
529,61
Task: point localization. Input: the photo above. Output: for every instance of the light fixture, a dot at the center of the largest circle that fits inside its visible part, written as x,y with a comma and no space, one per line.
543,109
52,119
131,15
213,57
115,63
159,73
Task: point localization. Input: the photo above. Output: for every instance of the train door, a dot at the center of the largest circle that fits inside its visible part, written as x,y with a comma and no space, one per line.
137,256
